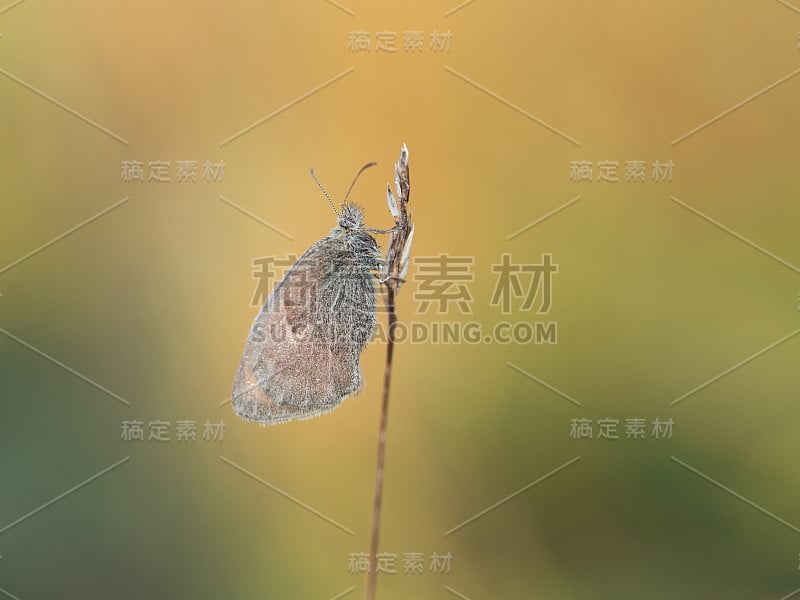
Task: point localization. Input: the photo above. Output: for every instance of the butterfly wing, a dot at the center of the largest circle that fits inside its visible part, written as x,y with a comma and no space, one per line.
301,358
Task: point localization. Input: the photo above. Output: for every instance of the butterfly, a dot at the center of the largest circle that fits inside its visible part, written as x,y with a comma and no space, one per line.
301,357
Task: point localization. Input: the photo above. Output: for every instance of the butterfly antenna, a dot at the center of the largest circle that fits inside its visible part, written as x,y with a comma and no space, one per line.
364,168
333,206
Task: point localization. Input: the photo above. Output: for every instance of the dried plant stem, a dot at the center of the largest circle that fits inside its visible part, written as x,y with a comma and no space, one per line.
372,579
397,256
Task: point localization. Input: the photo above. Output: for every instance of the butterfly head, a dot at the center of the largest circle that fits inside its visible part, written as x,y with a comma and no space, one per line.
352,217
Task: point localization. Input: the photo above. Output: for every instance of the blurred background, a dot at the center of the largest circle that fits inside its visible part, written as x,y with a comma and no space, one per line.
125,303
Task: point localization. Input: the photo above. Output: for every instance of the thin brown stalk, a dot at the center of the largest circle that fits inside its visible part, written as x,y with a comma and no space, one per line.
397,256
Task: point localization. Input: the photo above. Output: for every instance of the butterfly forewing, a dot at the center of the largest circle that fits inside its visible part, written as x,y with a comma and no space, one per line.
301,358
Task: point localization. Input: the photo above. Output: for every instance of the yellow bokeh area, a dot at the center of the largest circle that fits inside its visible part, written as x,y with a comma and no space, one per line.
634,436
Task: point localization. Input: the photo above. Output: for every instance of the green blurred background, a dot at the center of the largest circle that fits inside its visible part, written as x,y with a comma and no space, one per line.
152,299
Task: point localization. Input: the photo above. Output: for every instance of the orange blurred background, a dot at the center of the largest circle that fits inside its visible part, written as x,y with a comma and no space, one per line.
661,288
